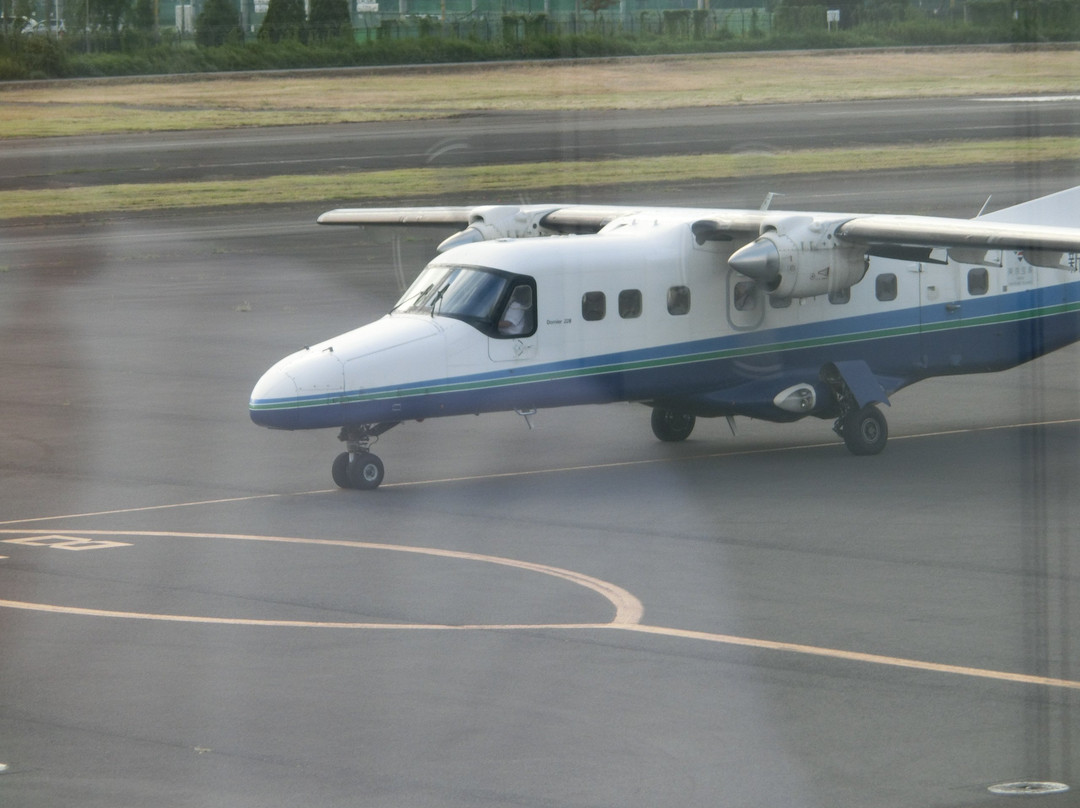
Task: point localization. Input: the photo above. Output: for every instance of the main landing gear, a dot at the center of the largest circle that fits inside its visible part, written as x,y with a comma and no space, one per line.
358,467
671,425
864,430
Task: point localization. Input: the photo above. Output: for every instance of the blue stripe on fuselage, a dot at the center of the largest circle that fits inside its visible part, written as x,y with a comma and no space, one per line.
996,332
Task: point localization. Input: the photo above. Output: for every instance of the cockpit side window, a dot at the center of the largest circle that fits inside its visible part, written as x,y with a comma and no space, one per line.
483,298
519,314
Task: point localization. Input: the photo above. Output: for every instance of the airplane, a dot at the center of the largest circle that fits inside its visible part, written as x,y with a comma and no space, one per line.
694,312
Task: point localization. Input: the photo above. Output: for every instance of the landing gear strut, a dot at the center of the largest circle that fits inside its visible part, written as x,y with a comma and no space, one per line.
358,467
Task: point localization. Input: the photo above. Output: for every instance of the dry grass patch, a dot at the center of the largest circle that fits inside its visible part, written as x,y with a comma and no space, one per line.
58,119
645,83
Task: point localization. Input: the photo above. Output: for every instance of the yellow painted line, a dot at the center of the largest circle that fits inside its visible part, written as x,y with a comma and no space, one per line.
254,621
628,611
721,639
170,506
855,656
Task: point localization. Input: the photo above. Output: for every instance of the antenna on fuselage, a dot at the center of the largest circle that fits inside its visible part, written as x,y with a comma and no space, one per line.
986,204
399,266
769,197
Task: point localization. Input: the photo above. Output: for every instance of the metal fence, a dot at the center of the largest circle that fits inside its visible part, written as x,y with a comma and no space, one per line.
518,27
489,20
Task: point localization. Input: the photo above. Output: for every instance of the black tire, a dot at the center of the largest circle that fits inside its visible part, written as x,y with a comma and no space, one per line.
672,425
340,471
365,471
865,431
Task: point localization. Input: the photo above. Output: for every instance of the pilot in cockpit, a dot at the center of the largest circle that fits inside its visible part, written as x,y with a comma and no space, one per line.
518,316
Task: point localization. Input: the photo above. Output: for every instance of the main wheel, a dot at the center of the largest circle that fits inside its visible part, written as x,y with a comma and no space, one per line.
365,471
671,425
340,471
865,431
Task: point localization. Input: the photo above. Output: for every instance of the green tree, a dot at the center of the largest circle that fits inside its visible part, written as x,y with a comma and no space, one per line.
329,19
142,16
284,20
109,15
218,23
596,6
25,8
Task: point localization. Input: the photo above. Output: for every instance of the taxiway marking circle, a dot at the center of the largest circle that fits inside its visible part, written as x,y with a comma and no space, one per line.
628,609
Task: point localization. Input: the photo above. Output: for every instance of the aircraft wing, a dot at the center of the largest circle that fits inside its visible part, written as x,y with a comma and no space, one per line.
967,239
959,234
480,222
585,218
517,221
438,216
509,218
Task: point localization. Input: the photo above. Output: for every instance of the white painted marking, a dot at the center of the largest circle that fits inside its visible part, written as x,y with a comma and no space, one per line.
61,542
1029,788
1029,99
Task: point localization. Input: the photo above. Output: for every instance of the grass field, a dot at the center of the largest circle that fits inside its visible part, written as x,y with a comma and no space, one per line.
199,102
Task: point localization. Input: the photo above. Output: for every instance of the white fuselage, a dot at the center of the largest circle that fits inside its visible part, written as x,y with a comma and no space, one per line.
643,311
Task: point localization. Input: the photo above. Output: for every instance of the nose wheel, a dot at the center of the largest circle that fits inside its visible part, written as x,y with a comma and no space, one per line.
358,467
361,470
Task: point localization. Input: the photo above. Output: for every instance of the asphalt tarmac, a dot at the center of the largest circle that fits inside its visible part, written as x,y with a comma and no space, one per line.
573,615
483,138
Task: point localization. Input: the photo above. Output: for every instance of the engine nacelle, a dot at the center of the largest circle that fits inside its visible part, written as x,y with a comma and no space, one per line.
800,258
494,222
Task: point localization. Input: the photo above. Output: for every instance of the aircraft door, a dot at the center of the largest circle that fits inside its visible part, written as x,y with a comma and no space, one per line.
746,302
516,337
940,314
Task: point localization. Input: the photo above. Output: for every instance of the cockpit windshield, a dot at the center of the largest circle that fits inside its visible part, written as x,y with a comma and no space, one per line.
473,294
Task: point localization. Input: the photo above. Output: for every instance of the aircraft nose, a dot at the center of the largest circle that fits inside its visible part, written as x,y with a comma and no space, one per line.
304,390
273,400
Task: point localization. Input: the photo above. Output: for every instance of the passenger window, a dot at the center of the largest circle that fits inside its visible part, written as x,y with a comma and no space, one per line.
629,303
593,306
840,296
745,295
779,302
978,281
886,287
678,300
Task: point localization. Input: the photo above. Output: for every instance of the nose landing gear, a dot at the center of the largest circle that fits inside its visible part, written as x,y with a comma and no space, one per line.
361,470
358,467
